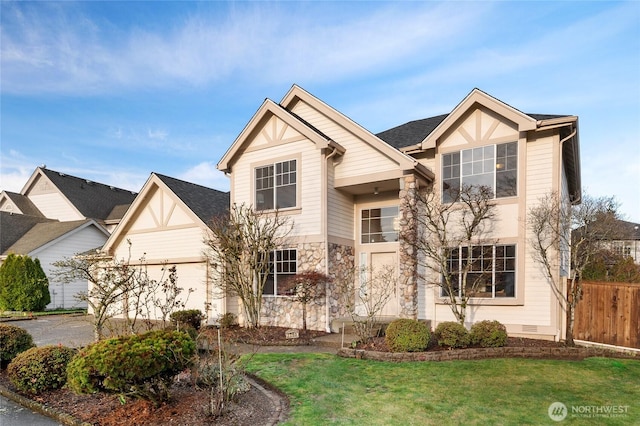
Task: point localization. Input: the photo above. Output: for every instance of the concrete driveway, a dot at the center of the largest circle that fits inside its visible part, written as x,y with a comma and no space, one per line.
69,330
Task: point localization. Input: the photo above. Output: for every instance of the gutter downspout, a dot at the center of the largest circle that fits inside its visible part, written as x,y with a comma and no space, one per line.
327,321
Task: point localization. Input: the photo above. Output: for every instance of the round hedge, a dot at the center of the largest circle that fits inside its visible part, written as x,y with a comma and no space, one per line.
13,340
452,335
39,369
140,365
489,334
407,335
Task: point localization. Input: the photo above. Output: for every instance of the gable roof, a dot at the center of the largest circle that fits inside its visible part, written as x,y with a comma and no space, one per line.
201,202
46,232
204,202
23,203
92,199
15,226
266,111
296,94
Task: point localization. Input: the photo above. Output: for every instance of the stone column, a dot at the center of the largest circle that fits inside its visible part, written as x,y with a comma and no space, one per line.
408,274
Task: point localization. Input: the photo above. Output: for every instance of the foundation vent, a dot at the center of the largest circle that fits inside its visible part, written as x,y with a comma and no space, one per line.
530,328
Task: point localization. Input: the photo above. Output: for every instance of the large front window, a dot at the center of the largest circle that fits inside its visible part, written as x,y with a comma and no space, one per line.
276,185
493,166
379,225
283,266
491,270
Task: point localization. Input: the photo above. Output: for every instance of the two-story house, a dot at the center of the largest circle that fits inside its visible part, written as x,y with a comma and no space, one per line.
346,190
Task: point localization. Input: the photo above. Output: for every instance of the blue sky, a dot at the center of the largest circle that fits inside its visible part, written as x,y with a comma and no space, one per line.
112,91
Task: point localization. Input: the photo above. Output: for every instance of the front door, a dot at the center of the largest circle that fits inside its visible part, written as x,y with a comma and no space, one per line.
379,283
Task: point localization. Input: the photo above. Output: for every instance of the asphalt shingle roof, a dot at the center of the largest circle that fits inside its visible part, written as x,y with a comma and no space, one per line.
414,132
25,205
43,233
204,202
93,200
15,226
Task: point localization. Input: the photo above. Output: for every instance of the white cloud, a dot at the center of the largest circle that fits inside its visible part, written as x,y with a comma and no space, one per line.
43,52
206,174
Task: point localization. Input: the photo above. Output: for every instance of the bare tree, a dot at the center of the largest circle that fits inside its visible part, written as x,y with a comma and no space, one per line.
307,287
565,238
451,241
238,247
366,296
109,283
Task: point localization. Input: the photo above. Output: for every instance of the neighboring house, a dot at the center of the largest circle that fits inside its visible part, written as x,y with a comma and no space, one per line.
50,241
57,215
630,245
347,191
57,195
166,226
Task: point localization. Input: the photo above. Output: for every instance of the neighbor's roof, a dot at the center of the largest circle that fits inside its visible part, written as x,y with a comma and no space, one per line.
15,226
43,233
204,202
92,199
24,204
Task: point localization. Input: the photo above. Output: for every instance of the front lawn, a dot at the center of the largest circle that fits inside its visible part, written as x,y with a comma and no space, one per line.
326,389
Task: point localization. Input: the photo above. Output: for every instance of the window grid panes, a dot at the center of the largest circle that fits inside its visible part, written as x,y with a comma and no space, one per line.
493,166
276,185
491,270
379,225
283,266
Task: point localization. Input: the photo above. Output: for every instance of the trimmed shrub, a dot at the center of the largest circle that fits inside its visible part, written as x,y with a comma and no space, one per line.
489,334
140,365
228,320
39,369
13,340
407,335
190,317
452,334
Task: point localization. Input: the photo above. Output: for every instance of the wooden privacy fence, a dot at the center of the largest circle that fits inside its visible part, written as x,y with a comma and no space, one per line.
609,313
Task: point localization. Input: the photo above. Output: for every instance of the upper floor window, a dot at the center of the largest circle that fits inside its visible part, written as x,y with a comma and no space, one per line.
491,270
276,185
493,166
283,266
379,225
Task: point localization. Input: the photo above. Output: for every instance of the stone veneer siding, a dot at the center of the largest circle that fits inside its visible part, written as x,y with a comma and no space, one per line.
408,279
282,311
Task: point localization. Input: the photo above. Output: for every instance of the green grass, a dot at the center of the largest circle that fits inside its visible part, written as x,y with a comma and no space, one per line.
326,389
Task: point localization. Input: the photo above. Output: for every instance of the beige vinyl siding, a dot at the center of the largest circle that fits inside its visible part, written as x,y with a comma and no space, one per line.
340,210
62,295
539,174
163,244
55,206
360,158
480,127
161,211
308,219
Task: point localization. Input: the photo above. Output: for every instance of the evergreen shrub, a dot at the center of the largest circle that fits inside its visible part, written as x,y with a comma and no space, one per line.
489,334
39,369
13,340
188,317
452,334
407,335
139,365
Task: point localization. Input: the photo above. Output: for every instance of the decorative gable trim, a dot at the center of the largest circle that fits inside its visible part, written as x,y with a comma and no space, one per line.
139,204
473,99
267,110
